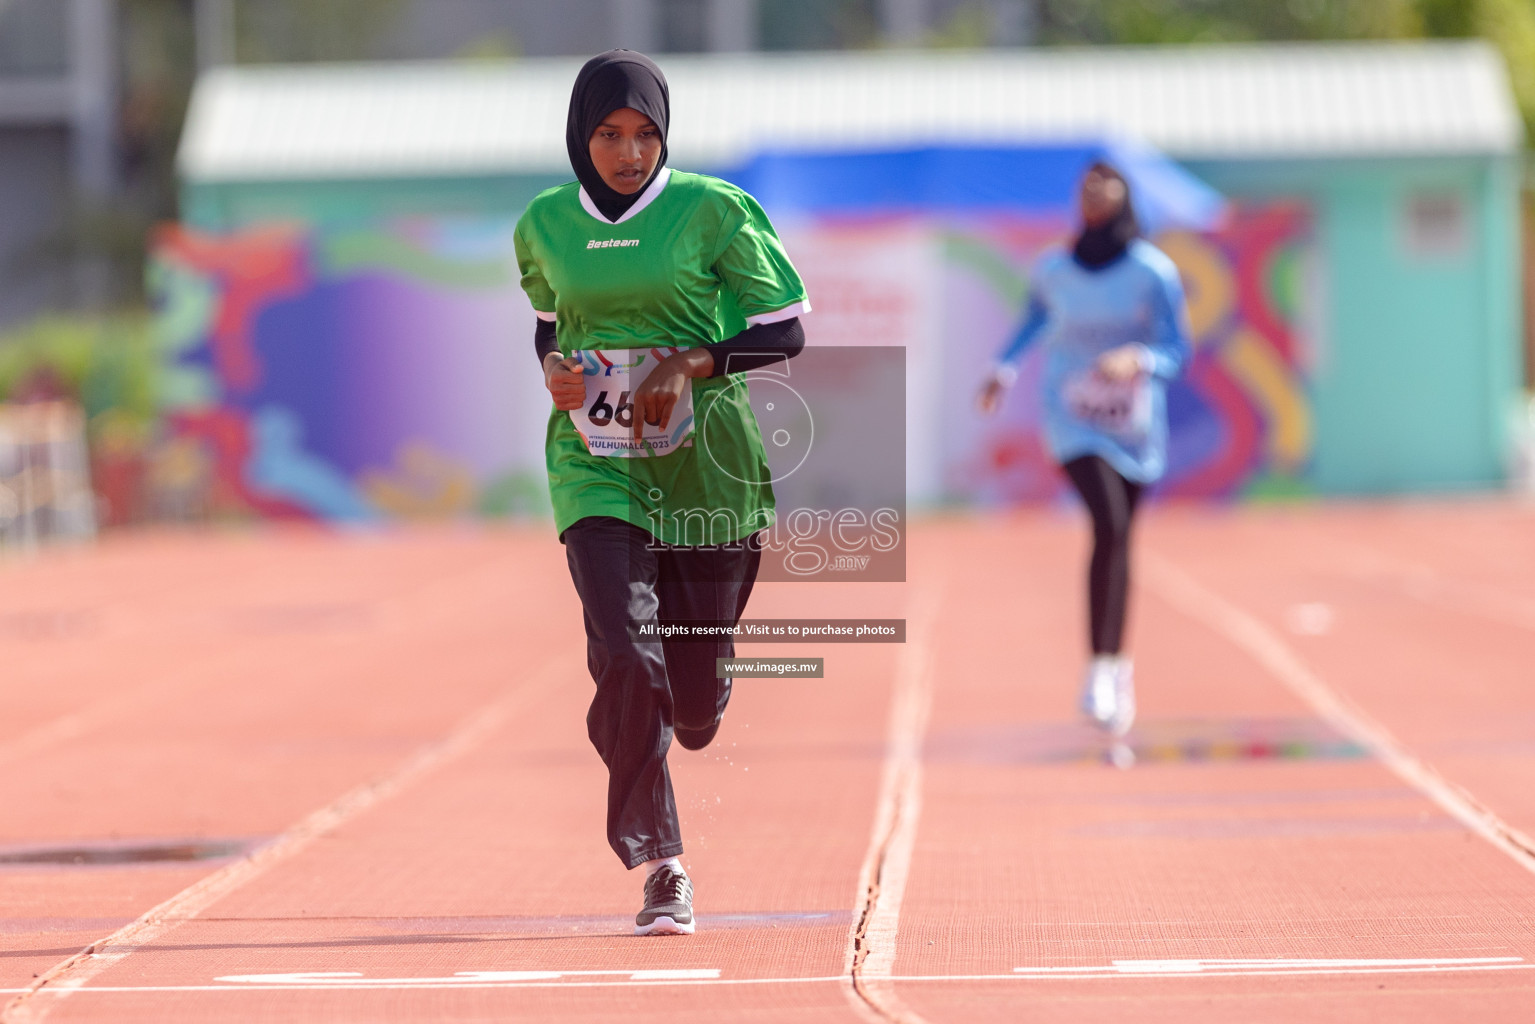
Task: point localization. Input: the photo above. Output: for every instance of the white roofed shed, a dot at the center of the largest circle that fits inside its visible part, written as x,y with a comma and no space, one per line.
1332,100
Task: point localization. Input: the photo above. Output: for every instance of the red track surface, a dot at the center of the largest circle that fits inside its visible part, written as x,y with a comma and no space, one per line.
1337,769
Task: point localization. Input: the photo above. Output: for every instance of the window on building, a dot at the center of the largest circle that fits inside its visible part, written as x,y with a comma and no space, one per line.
1436,224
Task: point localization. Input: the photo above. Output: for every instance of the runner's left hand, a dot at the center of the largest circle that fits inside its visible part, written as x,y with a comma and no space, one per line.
1122,363
655,399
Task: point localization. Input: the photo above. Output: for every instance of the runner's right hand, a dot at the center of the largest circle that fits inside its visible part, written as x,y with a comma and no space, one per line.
564,380
990,395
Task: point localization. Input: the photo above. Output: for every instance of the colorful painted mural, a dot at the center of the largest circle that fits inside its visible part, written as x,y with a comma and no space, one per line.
352,375
385,372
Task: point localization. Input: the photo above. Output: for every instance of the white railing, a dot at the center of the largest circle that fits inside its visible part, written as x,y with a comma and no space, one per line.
45,487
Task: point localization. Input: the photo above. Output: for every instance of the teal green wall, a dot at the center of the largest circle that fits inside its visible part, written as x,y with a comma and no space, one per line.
225,206
1418,369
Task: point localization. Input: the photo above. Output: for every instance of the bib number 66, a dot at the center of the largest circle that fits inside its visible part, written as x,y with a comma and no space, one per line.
601,413
606,419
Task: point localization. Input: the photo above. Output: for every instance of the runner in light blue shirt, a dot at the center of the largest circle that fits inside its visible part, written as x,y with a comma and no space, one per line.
1111,316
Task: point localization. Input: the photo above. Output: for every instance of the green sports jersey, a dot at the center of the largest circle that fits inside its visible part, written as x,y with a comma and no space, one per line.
692,262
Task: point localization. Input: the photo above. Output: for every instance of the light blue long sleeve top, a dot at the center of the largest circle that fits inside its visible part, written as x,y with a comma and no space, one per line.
1078,314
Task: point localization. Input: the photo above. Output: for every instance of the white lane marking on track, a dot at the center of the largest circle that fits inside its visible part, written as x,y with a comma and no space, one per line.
1422,582
77,724
882,877
1266,647
1258,969
37,1000
355,979
126,989
1272,966
1313,618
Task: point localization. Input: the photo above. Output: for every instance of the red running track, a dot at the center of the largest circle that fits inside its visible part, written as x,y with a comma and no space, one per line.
369,752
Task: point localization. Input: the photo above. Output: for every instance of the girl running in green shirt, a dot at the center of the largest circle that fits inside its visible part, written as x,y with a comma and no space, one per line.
657,471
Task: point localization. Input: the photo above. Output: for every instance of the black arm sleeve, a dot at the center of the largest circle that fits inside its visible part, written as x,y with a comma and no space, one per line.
757,346
544,340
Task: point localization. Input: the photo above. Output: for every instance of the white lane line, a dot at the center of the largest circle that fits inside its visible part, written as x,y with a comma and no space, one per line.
35,1002
1037,976
95,716
356,979
476,986
1422,582
77,724
871,944
1018,974
1265,647
1268,649
1273,966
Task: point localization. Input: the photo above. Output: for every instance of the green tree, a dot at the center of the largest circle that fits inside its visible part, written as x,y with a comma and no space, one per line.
290,31
1507,24
1194,21
817,24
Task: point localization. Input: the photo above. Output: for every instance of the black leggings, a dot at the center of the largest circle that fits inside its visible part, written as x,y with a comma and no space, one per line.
1111,499
647,688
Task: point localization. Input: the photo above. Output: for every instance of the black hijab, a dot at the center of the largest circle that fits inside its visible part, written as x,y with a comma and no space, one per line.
1097,247
608,82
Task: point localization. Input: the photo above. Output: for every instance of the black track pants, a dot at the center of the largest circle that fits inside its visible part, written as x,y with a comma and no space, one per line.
645,688
1111,499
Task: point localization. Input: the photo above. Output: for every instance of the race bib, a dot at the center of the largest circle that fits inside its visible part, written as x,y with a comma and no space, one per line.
605,420
1119,407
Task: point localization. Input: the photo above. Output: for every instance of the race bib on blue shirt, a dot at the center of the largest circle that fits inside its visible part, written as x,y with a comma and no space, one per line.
1118,407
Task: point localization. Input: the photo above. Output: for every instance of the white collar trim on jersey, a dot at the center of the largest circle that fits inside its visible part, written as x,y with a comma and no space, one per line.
646,198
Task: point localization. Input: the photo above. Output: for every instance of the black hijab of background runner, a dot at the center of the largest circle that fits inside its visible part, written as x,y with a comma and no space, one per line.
1097,247
611,81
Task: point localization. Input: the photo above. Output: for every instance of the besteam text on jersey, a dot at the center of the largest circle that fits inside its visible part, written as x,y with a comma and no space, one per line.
612,243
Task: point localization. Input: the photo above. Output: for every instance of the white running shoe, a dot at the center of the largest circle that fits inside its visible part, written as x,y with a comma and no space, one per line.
1098,690
1108,694
1124,701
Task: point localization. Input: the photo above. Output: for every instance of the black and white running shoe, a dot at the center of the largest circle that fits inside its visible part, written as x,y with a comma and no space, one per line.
668,904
